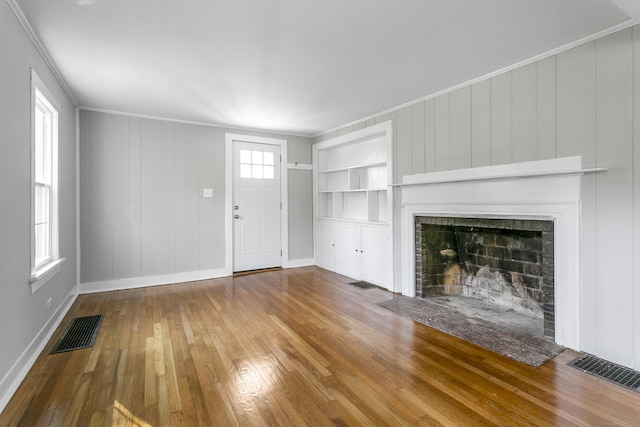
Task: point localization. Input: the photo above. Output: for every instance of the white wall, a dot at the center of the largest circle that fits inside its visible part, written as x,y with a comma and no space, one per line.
23,316
142,212
580,102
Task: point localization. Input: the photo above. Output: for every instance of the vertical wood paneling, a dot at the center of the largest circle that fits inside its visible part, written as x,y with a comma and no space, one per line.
141,210
180,198
635,168
135,229
219,189
168,196
101,195
430,135
460,108
524,114
442,133
86,161
501,125
481,124
207,211
546,108
575,135
614,196
299,183
403,144
150,198
576,103
417,138
192,198
120,211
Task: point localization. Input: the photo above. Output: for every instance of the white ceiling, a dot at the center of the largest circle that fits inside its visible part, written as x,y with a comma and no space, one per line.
298,66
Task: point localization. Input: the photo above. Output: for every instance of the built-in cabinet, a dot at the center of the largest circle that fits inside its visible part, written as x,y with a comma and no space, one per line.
353,204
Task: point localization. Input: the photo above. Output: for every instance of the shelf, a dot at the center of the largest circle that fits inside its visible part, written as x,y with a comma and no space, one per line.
347,168
353,203
358,190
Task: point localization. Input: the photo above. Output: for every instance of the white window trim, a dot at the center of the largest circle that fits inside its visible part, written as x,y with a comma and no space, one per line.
43,273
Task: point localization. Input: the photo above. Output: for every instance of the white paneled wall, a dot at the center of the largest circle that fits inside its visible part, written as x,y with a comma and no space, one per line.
142,212
579,102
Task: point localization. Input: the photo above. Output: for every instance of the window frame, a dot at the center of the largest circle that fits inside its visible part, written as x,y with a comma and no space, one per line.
46,268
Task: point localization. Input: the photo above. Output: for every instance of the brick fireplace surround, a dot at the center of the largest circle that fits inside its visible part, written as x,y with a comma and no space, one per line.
546,191
505,262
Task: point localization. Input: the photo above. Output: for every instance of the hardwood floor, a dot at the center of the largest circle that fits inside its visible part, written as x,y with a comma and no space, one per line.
293,347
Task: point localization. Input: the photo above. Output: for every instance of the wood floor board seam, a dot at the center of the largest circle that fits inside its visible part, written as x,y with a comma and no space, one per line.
293,347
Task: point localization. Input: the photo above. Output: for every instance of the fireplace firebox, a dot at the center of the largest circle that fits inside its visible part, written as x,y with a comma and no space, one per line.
506,262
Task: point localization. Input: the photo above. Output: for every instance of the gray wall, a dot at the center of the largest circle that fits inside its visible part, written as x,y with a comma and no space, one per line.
580,102
142,212
23,315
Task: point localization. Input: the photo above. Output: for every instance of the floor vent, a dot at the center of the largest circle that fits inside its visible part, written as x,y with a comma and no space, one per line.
609,371
81,333
363,285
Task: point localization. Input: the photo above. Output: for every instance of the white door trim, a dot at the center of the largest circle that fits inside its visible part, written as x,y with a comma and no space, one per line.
284,199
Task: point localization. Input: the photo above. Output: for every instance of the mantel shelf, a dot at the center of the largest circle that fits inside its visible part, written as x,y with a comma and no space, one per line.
437,178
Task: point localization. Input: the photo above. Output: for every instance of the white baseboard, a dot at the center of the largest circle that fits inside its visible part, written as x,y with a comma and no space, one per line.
142,282
20,368
305,262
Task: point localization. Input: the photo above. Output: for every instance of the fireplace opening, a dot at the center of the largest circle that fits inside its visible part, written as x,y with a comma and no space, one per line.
503,263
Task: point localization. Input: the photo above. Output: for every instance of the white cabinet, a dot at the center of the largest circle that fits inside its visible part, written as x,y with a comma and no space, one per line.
353,204
359,251
326,245
348,250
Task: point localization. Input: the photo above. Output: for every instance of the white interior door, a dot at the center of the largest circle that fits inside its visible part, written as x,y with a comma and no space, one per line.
257,206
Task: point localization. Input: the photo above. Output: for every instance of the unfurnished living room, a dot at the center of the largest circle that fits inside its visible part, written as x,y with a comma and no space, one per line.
340,213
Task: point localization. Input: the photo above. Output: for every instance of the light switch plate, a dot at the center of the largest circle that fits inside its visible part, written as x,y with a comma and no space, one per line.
207,193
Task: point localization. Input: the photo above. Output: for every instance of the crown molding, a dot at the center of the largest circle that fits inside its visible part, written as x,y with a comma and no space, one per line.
550,53
275,132
41,50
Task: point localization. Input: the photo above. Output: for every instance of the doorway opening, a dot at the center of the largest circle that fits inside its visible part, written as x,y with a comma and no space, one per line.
256,203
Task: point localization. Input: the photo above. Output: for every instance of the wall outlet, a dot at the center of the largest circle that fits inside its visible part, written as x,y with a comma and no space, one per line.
49,304
207,193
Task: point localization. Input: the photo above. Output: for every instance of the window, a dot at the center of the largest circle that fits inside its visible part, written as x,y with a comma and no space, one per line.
257,164
45,258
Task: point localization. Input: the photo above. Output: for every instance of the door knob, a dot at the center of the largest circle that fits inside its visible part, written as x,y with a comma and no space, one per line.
236,207
236,216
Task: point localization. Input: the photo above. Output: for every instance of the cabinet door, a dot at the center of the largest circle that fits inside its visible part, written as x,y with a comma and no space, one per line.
348,250
376,260
326,245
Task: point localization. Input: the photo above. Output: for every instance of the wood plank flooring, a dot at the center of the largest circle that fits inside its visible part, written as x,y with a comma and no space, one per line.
293,347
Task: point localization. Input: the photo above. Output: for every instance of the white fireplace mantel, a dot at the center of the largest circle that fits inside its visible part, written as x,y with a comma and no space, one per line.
534,190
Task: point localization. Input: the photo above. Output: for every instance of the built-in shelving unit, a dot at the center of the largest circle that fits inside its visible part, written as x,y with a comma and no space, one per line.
352,177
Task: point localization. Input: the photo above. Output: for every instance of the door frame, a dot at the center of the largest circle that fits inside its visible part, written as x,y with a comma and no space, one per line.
284,199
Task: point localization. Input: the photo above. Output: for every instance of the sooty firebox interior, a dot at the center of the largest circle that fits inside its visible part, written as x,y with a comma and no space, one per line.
506,262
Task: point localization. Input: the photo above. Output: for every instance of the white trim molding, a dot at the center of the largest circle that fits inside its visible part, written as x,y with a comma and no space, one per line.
548,197
143,282
11,381
41,50
553,52
284,196
304,262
